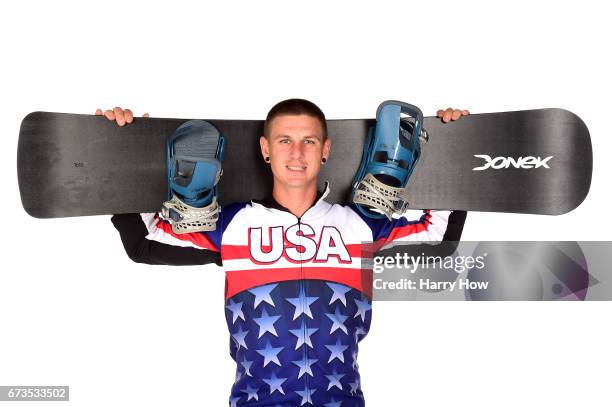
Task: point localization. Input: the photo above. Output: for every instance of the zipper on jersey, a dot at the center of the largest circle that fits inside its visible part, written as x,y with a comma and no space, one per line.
302,288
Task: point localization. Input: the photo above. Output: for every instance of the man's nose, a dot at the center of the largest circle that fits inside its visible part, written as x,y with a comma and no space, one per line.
297,150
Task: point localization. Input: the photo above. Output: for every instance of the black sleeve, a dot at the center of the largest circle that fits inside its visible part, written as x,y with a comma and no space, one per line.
142,250
456,221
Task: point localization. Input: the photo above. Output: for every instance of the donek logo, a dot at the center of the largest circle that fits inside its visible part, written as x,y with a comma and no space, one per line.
498,163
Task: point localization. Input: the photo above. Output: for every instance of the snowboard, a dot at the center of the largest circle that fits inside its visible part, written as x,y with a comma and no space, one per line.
532,161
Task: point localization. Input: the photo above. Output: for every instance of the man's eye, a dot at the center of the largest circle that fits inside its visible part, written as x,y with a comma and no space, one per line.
285,141
309,141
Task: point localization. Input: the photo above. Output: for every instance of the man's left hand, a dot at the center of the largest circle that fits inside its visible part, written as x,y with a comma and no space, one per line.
451,114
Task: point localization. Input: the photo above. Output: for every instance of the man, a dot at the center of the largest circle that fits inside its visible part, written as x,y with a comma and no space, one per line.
296,303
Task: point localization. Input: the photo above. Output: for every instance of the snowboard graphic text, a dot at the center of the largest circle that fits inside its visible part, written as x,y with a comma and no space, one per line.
506,162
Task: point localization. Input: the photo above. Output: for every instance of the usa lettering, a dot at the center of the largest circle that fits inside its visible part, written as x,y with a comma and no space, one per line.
506,162
297,244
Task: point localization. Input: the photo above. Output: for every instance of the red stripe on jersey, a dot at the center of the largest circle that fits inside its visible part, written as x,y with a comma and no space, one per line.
240,280
199,239
406,230
241,252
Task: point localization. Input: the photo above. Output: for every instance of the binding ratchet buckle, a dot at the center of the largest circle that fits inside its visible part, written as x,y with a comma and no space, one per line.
390,154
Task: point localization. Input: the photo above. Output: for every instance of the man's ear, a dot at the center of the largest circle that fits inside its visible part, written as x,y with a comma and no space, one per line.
265,147
327,147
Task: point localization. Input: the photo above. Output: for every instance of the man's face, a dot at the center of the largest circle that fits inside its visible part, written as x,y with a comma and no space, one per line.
295,146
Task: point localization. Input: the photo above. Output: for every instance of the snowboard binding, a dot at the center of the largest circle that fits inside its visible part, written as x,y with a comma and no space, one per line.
390,154
194,155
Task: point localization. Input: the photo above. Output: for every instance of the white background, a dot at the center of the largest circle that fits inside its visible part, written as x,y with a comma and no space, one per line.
74,310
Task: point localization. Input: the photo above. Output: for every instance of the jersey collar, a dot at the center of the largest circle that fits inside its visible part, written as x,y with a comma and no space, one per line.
319,205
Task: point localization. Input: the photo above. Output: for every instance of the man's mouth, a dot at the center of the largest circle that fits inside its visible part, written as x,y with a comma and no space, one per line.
295,168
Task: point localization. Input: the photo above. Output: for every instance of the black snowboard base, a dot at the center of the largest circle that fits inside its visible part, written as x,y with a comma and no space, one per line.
78,165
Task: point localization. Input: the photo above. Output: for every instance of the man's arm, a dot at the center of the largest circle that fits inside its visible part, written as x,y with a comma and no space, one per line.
417,226
428,233
159,246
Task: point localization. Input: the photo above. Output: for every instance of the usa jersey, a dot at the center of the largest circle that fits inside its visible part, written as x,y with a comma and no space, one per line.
297,298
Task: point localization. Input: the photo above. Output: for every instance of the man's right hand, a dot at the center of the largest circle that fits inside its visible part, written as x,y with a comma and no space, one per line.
121,116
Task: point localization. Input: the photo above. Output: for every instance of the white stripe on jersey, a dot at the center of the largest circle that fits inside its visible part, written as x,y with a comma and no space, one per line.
247,264
158,235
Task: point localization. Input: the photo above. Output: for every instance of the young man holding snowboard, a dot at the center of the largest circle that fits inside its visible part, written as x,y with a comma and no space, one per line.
296,303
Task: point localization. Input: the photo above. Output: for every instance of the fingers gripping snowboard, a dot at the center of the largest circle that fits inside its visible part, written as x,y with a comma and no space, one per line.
533,161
